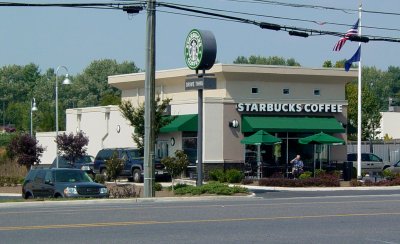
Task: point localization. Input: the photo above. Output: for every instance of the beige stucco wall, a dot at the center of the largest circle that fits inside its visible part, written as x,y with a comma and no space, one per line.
234,83
390,125
46,139
99,124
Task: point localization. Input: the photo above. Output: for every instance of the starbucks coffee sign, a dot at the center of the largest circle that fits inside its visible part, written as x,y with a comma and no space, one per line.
200,50
290,107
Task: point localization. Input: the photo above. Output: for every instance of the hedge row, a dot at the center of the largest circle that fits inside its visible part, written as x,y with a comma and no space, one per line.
10,180
326,180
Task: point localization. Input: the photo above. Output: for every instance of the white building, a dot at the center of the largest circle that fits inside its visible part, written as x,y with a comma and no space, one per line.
288,102
390,125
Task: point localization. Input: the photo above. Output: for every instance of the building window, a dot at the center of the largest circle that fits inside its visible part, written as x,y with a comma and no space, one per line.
285,91
317,92
254,90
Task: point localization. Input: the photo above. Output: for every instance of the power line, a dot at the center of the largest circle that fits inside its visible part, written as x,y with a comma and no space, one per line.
292,30
284,18
346,10
296,31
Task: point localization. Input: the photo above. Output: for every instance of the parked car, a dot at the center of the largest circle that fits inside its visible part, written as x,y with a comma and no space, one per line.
57,182
395,168
133,163
369,162
84,163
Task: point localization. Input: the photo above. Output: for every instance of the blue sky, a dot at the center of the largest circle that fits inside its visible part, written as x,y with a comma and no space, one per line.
74,37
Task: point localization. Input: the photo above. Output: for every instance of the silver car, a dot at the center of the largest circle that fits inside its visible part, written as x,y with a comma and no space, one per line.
395,168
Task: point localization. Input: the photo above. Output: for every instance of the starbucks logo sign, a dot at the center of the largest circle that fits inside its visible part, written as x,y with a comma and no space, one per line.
200,49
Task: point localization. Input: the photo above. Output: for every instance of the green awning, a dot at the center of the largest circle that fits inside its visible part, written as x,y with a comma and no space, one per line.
187,122
291,124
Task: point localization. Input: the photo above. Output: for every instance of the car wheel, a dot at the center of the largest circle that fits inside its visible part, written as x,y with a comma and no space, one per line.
28,195
385,167
58,195
137,175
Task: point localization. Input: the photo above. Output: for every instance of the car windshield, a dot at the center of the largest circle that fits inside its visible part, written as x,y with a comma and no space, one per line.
72,176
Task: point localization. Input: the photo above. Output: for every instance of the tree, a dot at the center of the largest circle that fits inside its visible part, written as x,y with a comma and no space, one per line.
176,165
72,146
135,116
25,149
114,167
91,87
272,60
370,111
327,64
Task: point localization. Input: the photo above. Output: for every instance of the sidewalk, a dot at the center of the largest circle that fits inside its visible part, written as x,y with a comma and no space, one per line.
349,188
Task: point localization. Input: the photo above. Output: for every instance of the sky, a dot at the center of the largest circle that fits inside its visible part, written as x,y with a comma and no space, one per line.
50,37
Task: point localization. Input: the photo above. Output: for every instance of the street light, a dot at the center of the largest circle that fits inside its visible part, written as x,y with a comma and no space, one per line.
66,81
33,109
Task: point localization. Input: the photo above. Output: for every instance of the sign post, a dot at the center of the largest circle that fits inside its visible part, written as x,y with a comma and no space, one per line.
200,53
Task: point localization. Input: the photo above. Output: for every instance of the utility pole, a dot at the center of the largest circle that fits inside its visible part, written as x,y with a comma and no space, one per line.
149,86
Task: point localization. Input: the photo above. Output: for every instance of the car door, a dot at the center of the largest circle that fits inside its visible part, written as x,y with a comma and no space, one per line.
38,184
125,160
365,163
375,163
48,186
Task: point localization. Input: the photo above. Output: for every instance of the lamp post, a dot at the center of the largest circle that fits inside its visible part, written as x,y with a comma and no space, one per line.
66,81
33,109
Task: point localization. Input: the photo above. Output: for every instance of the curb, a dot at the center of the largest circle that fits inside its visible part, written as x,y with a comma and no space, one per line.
350,188
126,200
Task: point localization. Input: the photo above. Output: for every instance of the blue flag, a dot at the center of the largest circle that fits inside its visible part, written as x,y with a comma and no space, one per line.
356,57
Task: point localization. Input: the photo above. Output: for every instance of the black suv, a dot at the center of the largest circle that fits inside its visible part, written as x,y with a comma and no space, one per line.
84,163
133,163
56,183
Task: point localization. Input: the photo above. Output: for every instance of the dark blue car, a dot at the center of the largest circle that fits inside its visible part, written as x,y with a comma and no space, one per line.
84,163
133,163
43,183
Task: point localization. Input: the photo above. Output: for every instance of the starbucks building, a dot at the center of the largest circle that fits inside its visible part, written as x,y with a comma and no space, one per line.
287,102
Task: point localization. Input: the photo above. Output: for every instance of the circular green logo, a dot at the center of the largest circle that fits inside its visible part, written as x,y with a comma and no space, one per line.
193,49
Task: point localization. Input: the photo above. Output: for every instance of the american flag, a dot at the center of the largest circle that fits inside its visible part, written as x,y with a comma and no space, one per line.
351,32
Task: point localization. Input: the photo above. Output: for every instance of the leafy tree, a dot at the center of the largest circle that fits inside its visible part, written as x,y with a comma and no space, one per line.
114,166
19,114
370,111
176,165
327,64
272,60
25,149
135,116
91,88
72,146
110,99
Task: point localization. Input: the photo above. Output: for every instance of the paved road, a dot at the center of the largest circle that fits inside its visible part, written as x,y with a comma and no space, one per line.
290,194
364,219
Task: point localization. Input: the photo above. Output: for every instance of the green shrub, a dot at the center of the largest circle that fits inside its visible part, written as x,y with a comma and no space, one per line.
157,187
388,174
305,175
211,188
319,172
234,176
114,166
217,175
100,179
11,180
5,139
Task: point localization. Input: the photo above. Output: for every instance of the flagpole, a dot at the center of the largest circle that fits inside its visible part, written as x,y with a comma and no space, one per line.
359,102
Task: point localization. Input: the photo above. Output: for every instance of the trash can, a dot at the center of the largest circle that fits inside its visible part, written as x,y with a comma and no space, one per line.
347,170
